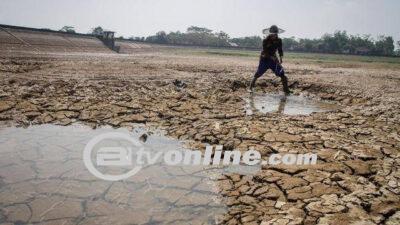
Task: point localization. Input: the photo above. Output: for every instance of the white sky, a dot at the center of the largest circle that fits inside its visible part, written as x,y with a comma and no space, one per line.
300,18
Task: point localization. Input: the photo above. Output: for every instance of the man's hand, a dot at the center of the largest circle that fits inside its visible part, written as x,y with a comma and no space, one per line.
280,60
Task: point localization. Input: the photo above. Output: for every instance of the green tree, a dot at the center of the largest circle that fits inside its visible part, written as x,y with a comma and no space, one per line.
194,29
68,29
223,39
361,44
336,43
201,36
290,43
398,48
97,30
160,37
248,42
384,46
175,38
222,35
307,45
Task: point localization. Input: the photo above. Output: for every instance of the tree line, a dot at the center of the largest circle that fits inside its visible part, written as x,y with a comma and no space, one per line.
338,43
342,43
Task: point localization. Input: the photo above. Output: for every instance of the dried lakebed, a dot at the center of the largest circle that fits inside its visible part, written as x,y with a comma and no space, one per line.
200,99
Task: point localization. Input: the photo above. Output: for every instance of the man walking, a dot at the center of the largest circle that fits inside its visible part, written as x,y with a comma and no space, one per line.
268,59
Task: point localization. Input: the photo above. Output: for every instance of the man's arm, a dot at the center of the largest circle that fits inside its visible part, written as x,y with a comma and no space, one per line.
265,48
280,51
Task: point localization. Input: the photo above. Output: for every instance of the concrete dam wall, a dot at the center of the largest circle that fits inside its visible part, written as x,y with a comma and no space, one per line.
30,40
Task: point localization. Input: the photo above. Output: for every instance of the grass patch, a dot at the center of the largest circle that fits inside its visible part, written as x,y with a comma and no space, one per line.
234,53
323,60
345,58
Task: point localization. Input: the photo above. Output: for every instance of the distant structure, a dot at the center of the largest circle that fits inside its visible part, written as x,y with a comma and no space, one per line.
233,44
362,51
21,37
109,40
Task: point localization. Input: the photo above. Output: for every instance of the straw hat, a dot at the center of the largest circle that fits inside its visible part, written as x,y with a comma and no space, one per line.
273,30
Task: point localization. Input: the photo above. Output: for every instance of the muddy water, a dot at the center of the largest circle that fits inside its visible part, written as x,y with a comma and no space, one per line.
43,180
289,105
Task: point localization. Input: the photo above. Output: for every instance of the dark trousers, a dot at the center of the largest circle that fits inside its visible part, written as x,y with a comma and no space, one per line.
269,63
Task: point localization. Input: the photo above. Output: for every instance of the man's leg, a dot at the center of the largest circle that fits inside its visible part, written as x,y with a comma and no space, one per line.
262,68
284,81
253,81
280,72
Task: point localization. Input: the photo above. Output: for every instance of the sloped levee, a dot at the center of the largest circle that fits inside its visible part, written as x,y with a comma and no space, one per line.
129,47
23,40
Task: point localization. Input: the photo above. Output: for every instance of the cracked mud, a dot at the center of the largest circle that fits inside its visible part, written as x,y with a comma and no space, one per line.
201,99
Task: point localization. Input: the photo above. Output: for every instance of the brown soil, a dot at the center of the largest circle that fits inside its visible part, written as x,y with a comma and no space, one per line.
356,180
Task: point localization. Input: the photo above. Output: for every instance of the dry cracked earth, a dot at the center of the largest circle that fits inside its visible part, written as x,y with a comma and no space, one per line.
199,98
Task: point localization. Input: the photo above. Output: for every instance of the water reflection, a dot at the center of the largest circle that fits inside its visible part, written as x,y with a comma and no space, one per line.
43,180
282,104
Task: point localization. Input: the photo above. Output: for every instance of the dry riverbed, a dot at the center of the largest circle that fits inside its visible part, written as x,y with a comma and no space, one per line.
201,99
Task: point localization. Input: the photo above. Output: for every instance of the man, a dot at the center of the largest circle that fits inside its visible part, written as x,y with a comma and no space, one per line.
269,60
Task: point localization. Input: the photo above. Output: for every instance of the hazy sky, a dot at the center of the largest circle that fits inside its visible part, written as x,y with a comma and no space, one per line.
300,18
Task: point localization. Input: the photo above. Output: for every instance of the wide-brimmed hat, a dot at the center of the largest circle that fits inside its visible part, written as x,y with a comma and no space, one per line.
273,30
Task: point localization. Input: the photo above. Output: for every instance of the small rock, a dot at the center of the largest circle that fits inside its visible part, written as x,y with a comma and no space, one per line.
279,204
179,83
143,137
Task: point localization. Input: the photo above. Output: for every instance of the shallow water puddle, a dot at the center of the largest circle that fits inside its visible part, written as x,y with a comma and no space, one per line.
43,179
289,105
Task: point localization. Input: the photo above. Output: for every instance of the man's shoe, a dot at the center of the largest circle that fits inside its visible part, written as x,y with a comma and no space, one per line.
288,92
252,84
